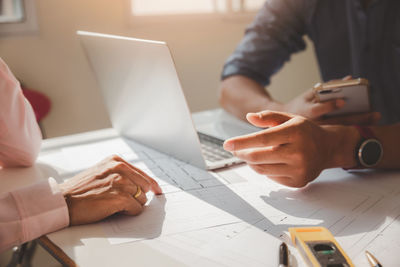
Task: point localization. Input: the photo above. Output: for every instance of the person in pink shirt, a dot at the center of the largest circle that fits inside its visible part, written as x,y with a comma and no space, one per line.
111,186
20,137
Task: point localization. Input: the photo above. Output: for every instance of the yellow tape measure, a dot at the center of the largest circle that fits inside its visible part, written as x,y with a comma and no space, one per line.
319,248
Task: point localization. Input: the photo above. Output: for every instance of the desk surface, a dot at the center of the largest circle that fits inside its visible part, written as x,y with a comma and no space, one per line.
362,210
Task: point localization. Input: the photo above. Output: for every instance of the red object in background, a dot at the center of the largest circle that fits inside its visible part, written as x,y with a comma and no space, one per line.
40,103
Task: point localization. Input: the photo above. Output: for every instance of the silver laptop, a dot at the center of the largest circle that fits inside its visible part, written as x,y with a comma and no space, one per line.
145,101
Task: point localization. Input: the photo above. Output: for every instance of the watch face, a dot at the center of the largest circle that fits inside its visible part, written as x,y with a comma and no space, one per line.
370,152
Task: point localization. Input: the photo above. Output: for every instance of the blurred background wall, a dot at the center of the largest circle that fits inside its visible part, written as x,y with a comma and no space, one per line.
52,61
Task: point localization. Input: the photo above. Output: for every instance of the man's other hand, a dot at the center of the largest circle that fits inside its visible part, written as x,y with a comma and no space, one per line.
306,106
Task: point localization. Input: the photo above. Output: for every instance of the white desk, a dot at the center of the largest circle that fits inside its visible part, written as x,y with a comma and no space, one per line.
362,209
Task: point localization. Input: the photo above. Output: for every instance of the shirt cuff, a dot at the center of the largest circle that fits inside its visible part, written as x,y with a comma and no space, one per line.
42,209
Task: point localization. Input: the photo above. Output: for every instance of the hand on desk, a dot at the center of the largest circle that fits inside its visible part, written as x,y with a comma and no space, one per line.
109,187
293,150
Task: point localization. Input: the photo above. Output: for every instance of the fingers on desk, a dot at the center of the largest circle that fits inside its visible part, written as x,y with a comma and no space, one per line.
138,176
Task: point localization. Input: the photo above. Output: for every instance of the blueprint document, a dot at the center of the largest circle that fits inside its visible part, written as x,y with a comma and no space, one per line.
211,216
193,199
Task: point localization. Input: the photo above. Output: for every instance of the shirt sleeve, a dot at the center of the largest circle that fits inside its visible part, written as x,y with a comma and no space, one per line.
276,32
30,212
20,136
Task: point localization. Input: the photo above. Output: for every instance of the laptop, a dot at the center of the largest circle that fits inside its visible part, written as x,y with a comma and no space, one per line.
145,101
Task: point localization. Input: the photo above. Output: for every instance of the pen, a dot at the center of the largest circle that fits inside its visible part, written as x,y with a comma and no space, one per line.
372,260
283,255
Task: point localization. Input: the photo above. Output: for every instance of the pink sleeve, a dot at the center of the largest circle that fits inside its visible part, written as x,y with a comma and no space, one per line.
30,212
20,137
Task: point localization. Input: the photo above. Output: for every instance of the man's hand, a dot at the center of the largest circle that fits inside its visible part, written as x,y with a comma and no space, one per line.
111,186
293,150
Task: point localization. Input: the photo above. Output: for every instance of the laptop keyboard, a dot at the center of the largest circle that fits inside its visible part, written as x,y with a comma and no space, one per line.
212,148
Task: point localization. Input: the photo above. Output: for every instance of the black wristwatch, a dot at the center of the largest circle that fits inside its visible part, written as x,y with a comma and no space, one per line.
369,151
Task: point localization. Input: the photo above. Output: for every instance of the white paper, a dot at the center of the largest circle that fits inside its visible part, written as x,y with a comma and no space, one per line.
361,209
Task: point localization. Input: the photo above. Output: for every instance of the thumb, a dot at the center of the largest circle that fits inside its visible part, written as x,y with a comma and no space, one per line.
268,118
347,78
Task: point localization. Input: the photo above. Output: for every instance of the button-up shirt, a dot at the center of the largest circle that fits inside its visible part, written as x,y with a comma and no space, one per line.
32,211
349,39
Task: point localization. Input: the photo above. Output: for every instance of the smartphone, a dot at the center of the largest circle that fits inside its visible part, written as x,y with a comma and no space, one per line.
355,92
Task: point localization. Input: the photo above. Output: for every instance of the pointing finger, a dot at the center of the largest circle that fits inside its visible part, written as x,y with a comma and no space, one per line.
270,137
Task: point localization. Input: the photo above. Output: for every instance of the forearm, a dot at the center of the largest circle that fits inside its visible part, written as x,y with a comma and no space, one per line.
341,142
30,212
240,95
345,141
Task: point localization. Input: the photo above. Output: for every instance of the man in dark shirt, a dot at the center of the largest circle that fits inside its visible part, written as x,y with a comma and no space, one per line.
360,38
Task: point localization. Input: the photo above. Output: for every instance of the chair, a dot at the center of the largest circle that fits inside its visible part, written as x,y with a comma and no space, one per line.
40,103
